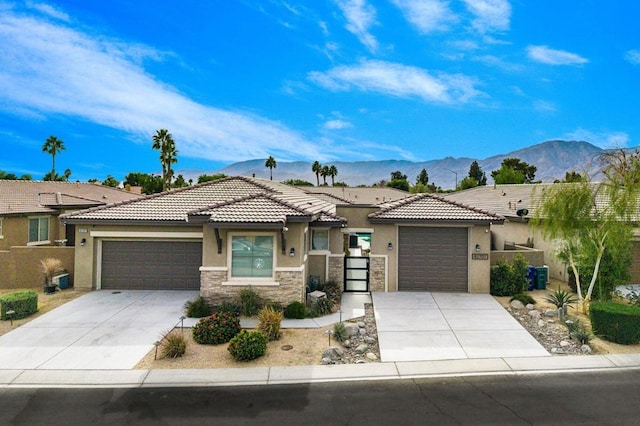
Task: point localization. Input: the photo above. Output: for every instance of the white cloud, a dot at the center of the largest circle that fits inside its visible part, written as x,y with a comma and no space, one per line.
52,69
544,106
360,16
49,10
398,80
427,15
336,124
633,56
550,56
489,15
603,139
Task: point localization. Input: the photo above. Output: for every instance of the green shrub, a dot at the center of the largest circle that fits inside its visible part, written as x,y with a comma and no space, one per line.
615,322
340,332
23,303
197,308
228,307
524,298
323,306
173,345
577,331
269,322
276,306
218,328
332,288
295,310
508,279
560,297
248,345
249,302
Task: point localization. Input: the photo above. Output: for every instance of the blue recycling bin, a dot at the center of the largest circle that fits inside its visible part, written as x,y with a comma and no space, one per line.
531,277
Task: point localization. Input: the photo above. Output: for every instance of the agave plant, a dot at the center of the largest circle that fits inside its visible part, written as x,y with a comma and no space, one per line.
560,298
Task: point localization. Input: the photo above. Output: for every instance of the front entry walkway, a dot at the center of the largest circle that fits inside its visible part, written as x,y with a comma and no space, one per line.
415,326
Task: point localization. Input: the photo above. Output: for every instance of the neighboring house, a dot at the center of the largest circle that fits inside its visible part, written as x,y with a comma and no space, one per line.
29,225
512,202
229,234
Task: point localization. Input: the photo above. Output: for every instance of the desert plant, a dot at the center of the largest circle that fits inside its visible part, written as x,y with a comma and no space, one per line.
249,302
295,310
228,307
332,289
269,322
49,268
248,345
218,328
173,345
560,298
524,298
323,306
340,332
197,308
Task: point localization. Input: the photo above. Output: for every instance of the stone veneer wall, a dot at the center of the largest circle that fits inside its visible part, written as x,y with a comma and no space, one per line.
291,288
377,273
336,269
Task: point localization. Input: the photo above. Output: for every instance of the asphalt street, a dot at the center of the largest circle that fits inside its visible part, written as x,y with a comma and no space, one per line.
579,398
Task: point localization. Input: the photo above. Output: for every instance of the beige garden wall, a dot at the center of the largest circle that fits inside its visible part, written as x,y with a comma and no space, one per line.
20,266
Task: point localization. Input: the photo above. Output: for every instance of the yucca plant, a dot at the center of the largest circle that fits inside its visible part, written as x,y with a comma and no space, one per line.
269,321
560,298
340,332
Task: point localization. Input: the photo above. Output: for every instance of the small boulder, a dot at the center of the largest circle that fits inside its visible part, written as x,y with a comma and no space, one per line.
326,361
362,331
360,324
534,314
529,306
369,340
551,313
352,328
362,348
564,344
516,304
586,349
541,323
333,353
371,356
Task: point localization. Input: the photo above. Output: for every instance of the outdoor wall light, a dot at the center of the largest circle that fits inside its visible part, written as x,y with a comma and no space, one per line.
477,247
83,242
292,252
390,246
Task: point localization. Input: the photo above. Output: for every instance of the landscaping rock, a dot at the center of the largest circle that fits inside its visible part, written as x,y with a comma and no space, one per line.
551,313
541,323
371,356
361,324
362,348
586,349
529,306
352,328
564,344
516,304
534,314
333,353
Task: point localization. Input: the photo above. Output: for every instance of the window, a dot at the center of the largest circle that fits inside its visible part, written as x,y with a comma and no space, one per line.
319,239
252,256
38,229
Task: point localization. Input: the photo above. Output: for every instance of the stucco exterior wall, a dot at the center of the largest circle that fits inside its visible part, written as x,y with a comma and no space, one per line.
15,230
479,260
20,266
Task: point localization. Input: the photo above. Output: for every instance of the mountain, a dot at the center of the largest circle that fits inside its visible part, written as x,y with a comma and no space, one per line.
552,158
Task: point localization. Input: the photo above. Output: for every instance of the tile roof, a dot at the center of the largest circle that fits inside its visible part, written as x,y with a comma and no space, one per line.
28,197
356,195
430,207
228,200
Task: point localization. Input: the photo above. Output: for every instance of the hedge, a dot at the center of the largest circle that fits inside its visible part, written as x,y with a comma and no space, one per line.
616,322
23,303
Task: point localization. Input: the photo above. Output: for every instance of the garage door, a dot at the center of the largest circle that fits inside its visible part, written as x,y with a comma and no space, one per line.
432,259
151,265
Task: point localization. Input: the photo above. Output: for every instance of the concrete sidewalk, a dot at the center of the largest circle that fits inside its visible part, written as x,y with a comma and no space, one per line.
314,373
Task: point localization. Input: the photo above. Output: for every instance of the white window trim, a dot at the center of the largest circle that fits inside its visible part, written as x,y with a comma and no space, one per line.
1,229
39,243
231,280
312,251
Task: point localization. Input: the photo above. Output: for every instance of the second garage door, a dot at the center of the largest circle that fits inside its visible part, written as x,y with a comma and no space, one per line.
433,259
151,265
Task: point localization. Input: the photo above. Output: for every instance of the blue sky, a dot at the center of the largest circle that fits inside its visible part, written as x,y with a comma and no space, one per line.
324,80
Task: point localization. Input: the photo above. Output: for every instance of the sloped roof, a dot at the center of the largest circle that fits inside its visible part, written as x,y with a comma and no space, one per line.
229,200
358,195
431,208
18,197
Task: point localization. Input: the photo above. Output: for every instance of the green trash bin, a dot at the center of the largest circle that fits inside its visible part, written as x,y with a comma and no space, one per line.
542,277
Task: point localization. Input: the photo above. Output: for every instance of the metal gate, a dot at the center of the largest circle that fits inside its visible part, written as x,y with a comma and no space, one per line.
356,274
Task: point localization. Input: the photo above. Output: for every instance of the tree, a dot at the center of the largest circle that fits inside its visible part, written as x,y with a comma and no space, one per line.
476,172
270,164
180,182
513,170
11,176
398,181
52,146
208,178
67,175
571,176
333,172
422,178
324,173
163,142
398,175
467,183
297,182
150,184
110,181
316,168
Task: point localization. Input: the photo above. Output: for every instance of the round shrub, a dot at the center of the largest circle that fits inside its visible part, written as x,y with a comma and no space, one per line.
22,303
524,298
218,328
295,310
248,345
615,322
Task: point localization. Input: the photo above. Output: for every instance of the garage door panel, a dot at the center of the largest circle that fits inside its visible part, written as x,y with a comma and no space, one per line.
151,265
433,259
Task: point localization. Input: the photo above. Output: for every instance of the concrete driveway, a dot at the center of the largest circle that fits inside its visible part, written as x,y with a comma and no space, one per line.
437,326
100,330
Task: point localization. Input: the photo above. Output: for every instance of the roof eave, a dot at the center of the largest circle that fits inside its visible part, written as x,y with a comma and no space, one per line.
438,221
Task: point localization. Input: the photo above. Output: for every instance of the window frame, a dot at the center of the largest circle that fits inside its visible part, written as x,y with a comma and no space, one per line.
1,228
39,241
319,250
240,279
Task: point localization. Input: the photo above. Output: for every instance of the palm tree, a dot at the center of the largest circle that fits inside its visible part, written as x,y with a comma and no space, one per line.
52,146
316,168
271,164
333,172
163,142
324,173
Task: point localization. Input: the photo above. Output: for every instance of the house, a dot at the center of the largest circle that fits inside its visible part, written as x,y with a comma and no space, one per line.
517,204
29,226
225,235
